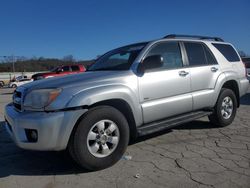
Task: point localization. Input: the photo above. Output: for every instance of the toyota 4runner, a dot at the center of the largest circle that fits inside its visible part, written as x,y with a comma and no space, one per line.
128,92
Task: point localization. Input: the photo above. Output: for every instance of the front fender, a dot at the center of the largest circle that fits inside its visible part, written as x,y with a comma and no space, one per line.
91,96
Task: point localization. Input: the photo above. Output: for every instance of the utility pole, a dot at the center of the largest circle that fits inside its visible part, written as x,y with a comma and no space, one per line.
13,63
13,60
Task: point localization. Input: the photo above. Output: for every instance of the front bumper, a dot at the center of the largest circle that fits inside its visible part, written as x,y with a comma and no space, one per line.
53,128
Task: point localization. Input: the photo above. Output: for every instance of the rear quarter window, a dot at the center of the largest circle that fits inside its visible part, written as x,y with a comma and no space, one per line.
227,51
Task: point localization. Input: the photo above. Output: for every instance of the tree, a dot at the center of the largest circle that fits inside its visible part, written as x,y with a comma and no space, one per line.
68,58
242,53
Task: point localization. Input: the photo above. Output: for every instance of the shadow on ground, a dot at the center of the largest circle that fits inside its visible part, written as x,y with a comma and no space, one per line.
8,93
245,100
15,161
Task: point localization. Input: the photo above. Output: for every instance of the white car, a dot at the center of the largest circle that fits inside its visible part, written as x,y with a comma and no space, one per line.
19,82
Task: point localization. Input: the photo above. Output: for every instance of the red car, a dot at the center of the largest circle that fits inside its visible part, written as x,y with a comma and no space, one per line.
60,71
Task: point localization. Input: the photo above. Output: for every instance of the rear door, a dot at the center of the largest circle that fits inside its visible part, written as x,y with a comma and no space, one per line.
75,69
165,91
204,71
66,70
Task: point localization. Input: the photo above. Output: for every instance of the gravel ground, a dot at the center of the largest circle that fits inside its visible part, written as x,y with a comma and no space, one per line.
195,154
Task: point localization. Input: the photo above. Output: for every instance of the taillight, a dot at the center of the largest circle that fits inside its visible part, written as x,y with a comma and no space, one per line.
245,66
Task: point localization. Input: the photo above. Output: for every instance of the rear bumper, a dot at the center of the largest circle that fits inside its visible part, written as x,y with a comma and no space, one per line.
244,85
248,74
53,128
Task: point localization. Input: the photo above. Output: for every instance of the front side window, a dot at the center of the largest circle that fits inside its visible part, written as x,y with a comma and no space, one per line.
170,52
66,69
118,59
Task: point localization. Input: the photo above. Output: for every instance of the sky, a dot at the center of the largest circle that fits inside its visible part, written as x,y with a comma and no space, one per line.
85,29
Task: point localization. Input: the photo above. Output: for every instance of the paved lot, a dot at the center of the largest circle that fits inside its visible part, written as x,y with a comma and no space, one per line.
193,155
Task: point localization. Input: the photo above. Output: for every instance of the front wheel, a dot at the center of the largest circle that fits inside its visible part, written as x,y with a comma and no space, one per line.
100,139
225,108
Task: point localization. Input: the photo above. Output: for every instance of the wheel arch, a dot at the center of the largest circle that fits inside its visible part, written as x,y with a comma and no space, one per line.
119,104
233,85
125,109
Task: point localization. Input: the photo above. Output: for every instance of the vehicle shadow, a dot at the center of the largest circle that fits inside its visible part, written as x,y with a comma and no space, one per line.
245,100
7,91
197,124
15,161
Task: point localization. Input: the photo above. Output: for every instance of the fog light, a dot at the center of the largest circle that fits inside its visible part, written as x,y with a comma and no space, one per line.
31,135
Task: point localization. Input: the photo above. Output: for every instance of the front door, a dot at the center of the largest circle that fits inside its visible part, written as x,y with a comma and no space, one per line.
165,91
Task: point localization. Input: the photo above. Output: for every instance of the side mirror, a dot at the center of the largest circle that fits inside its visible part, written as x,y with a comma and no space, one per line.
151,62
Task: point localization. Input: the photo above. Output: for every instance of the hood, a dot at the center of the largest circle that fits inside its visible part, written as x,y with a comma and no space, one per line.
77,80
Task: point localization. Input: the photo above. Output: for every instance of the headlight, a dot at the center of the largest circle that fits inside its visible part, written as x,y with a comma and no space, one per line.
38,99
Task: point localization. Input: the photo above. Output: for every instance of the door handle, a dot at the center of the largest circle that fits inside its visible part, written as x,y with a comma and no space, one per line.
183,73
214,69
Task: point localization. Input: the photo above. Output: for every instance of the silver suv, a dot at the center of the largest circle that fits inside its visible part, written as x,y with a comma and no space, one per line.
130,91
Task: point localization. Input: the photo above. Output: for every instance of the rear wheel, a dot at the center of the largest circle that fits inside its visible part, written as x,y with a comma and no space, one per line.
225,108
100,139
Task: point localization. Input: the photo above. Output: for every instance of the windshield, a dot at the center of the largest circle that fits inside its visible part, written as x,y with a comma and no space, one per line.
118,59
55,69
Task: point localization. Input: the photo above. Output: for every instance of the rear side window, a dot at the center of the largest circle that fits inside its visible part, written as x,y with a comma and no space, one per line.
227,51
195,53
209,56
75,68
199,54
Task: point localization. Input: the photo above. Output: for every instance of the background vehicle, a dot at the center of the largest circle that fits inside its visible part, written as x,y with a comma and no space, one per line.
1,84
60,71
19,82
18,78
246,61
130,91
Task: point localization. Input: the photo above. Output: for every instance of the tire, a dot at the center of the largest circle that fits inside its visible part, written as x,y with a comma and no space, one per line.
82,141
1,84
223,118
14,86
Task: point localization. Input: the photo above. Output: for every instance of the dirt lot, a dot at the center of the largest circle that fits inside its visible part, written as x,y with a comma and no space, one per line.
193,155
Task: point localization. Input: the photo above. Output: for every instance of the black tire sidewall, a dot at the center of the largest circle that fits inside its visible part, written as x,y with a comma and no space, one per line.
84,157
221,120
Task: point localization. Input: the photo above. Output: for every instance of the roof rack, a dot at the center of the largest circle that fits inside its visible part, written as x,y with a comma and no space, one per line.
194,37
